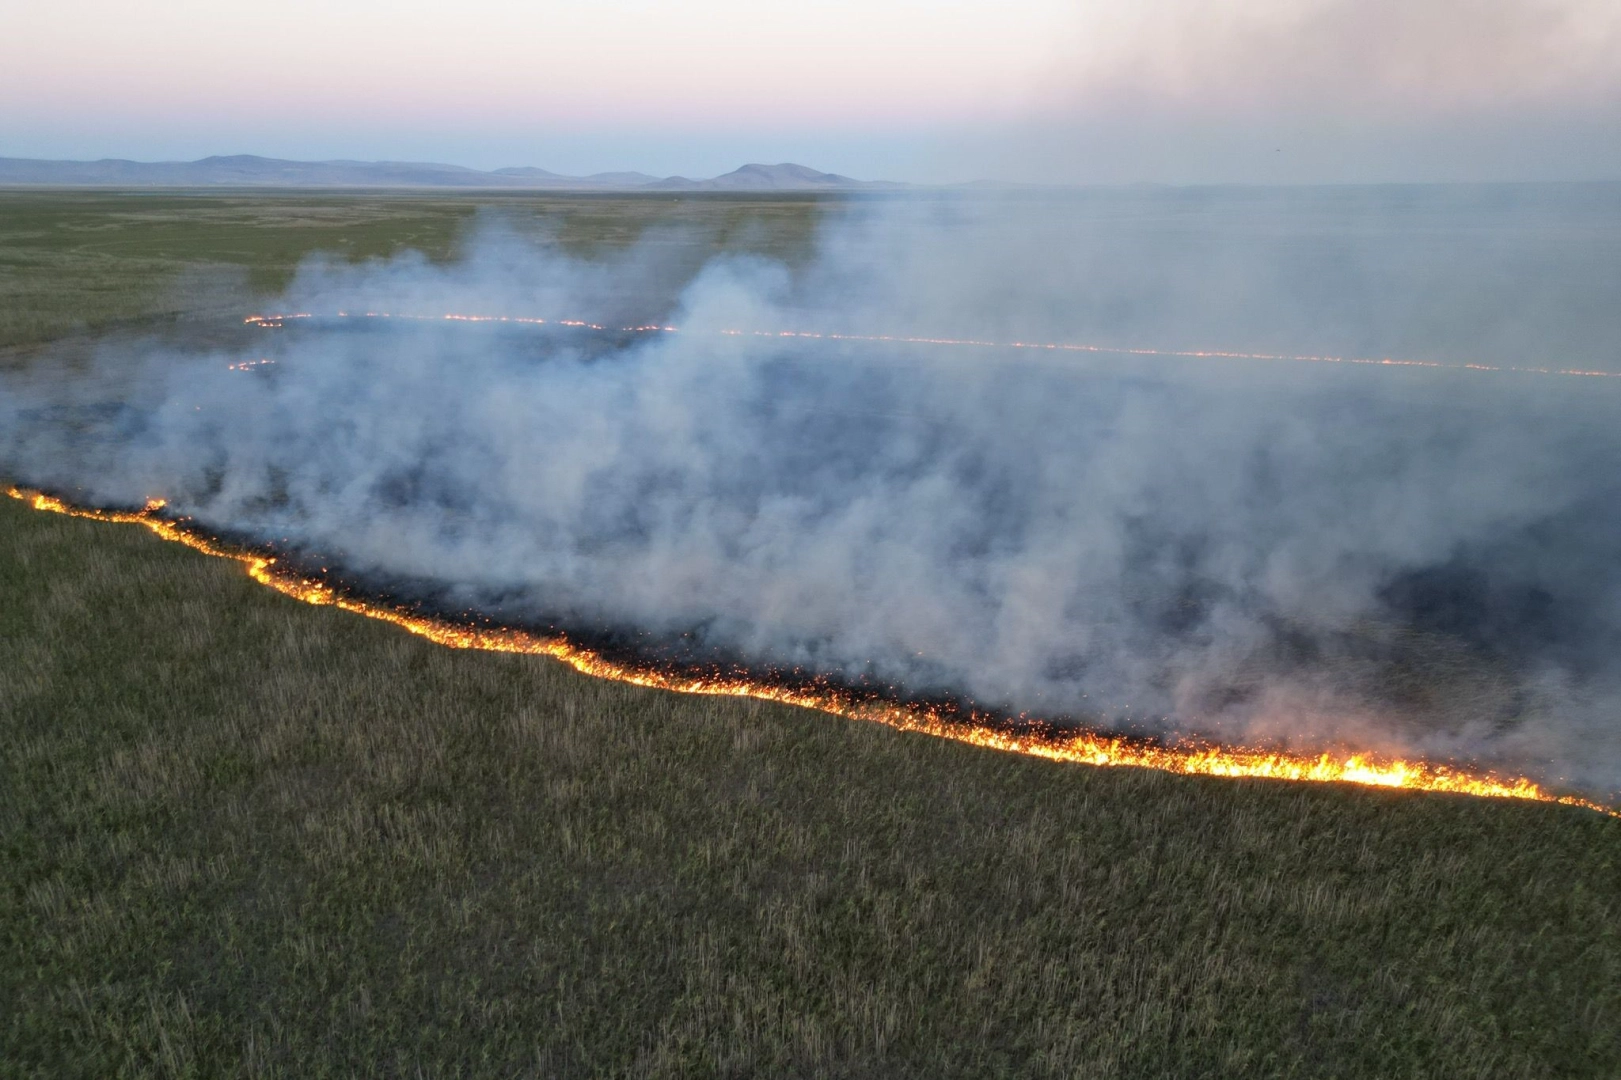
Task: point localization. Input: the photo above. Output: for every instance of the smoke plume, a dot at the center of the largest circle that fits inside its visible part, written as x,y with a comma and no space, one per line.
1312,554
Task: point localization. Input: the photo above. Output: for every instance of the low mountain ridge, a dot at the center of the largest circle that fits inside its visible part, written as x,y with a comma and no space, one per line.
250,170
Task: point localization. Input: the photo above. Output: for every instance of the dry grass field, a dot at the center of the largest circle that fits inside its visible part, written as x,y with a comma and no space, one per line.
240,835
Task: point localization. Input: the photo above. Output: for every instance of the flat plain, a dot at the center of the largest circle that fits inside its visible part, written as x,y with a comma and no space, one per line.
242,835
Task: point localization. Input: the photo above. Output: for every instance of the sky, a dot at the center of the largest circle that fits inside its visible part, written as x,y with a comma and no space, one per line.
1073,91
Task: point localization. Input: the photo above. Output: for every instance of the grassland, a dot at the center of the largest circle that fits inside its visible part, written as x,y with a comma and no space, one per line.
90,262
241,835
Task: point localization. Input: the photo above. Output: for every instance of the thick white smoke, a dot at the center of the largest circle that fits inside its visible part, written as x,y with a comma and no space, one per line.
1310,554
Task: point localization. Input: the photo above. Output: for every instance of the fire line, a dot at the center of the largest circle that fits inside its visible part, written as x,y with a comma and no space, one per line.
1081,746
276,321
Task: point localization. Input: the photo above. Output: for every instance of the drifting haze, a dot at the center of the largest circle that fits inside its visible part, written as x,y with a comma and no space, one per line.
1317,555
1336,90
1100,90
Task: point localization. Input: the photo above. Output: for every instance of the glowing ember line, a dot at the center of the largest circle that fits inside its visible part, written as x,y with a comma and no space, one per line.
1055,744
274,321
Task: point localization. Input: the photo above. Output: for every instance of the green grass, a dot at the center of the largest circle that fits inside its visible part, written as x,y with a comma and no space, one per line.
78,262
242,835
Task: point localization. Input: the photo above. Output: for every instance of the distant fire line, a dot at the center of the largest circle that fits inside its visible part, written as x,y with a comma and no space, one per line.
274,321
1057,744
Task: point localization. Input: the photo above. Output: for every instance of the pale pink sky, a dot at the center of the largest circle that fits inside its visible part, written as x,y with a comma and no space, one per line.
1175,90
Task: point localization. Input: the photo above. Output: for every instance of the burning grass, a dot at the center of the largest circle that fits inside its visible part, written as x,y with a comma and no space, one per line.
947,721
245,833
241,834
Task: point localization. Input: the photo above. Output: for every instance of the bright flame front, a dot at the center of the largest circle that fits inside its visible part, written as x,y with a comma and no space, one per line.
1073,745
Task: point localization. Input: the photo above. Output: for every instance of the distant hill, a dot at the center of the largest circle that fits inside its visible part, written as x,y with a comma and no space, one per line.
248,170
784,177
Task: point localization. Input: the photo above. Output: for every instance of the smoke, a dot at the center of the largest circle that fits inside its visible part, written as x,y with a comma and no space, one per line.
1314,555
1320,91
1346,57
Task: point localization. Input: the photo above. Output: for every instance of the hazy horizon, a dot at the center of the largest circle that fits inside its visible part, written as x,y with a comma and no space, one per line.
1175,91
904,184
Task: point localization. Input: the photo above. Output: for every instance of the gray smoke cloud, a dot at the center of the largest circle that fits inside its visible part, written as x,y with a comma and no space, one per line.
1322,91
1313,555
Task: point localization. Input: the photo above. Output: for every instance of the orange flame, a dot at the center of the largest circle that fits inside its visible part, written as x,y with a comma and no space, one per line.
274,321
1073,745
